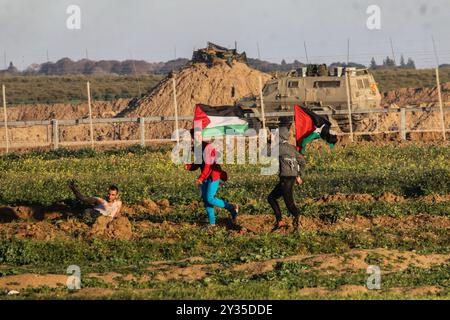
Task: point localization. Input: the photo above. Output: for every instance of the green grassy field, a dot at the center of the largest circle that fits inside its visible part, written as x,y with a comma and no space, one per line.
171,256
404,78
72,89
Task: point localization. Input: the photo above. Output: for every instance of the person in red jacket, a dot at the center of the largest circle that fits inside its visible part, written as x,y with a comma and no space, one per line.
209,181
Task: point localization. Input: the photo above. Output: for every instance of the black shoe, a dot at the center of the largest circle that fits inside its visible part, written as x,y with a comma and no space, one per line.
279,225
296,223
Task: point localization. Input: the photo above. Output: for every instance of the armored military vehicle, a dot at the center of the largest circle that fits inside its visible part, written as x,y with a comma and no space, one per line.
215,54
319,89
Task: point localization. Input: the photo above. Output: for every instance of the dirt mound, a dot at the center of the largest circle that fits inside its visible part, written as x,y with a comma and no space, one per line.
216,85
390,197
73,227
436,198
189,273
149,206
343,197
40,231
198,83
39,213
112,229
416,96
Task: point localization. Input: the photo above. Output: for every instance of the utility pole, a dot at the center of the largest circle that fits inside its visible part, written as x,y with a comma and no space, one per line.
135,73
48,59
438,85
259,52
393,52
348,51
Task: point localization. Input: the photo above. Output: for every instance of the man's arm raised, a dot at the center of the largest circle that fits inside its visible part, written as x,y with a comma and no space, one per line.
79,196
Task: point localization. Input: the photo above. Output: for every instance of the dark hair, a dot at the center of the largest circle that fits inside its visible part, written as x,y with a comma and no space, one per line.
113,188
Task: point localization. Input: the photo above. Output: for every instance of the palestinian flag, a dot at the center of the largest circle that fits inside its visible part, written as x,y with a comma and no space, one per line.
216,121
309,126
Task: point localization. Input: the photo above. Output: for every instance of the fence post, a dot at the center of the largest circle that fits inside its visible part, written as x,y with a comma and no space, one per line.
142,131
349,104
55,131
438,85
6,118
91,126
403,123
175,104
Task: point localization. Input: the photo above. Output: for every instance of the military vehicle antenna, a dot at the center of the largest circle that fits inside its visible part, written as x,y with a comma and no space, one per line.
306,53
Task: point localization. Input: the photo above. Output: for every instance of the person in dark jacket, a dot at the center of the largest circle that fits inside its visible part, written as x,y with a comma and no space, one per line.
292,166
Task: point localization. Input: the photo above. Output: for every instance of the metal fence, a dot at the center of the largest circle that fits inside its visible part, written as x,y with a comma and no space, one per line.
52,128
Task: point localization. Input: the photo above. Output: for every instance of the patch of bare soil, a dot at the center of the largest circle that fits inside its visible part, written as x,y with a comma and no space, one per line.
24,281
189,273
122,229
362,197
390,197
264,223
39,213
40,231
416,96
107,228
347,291
419,291
436,198
339,197
352,261
91,293
100,109
149,206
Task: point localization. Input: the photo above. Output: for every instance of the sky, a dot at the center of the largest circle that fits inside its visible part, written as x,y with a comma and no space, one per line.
160,30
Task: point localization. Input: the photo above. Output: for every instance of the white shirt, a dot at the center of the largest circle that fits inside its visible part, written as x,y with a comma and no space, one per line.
108,209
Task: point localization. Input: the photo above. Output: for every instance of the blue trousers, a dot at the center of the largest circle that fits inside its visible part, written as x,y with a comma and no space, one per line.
209,189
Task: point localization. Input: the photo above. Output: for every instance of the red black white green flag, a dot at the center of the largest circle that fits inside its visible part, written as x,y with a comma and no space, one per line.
310,126
221,120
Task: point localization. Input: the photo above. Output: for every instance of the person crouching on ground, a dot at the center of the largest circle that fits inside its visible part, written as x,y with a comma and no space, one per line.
209,180
292,165
111,207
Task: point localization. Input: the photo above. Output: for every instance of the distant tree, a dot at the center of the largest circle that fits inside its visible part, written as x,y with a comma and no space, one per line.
373,64
344,64
402,62
410,64
388,63
283,63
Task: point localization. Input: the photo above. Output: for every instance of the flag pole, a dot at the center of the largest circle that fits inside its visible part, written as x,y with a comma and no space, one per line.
262,103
